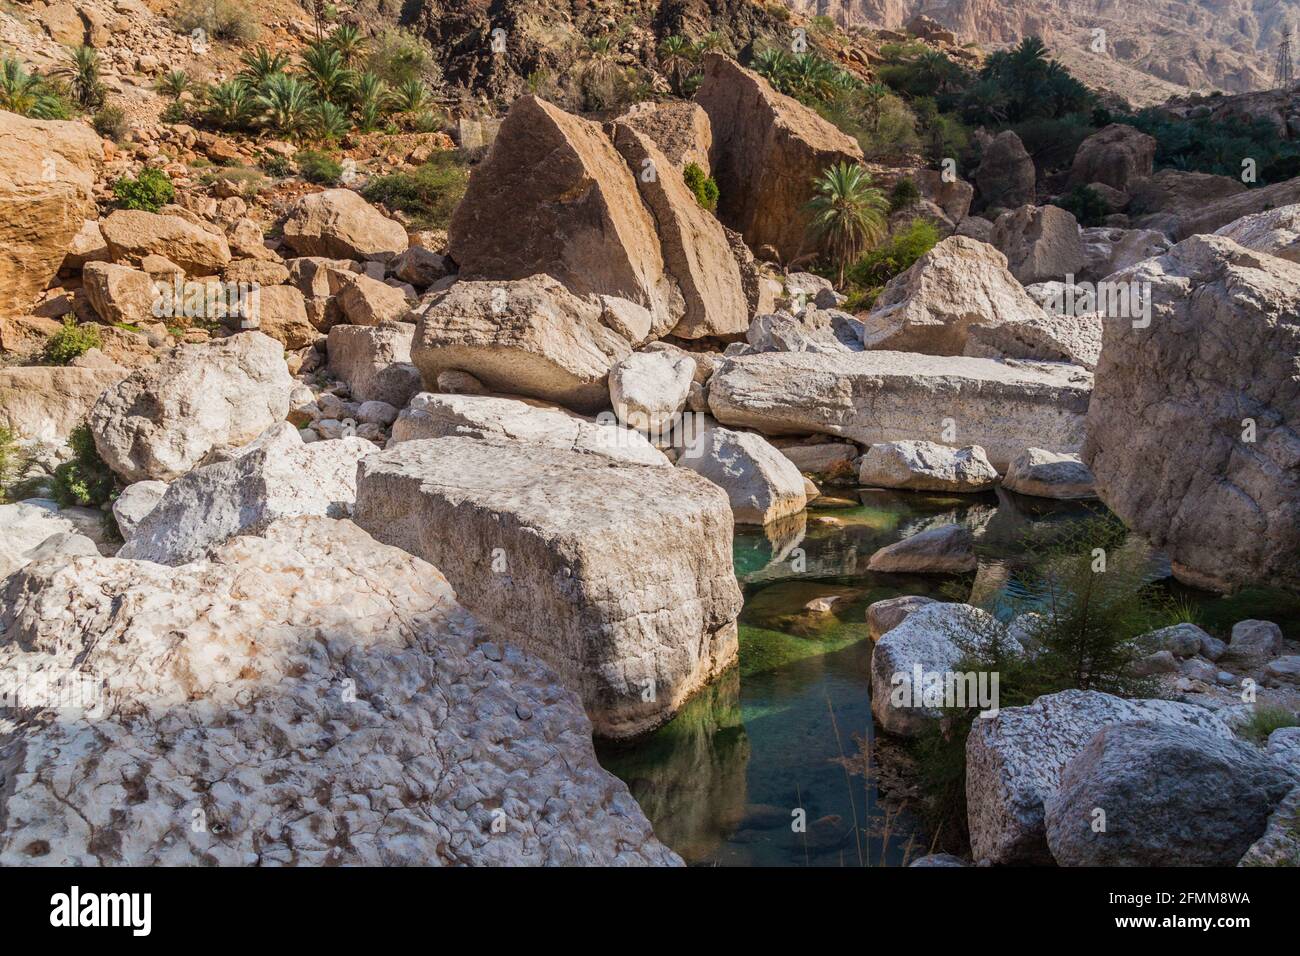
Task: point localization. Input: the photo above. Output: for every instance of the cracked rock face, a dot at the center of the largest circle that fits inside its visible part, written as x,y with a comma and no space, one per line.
619,576
248,720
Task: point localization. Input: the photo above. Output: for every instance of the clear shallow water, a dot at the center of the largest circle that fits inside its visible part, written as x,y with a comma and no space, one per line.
720,780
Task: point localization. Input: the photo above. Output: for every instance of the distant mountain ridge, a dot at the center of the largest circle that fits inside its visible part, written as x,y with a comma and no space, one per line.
1198,44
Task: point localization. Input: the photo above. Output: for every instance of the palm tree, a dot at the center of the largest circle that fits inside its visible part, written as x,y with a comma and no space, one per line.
347,39
261,64
774,65
712,42
325,72
600,65
329,123
848,213
811,76
83,78
411,95
286,102
676,57
26,93
229,104
372,101
173,84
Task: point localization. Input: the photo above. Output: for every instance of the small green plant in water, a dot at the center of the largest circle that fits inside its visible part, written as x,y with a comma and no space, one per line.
84,480
702,185
150,191
71,341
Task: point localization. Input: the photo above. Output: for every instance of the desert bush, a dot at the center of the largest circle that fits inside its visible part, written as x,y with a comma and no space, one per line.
71,341
150,191
84,480
428,195
228,20
702,185
318,167
893,256
903,194
1085,203
397,56
110,122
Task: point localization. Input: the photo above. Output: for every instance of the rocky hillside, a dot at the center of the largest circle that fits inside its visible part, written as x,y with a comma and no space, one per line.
1196,44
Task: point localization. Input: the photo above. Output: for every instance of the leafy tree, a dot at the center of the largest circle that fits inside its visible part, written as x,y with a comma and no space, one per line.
329,123
848,212
28,94
260,64
324,70
677,59
229,105
83,78
349,43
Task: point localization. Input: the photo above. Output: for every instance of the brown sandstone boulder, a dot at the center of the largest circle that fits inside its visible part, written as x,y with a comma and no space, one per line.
1006,177
695,248
339,224
554,197
47,177
1116,156
767,150
133,234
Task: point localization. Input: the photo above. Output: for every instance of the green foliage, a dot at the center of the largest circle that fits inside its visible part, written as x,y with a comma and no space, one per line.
1022,84
704,187
286,103
318,167
28,94
150,191
893,256
11,460
276,166
260,64
903,194
1219,146
349,43
677,58
230,105
71,341
324,70
228,20
1085,203
84,480
848,213
329,123
412,96
247,181
1264,720
110,122
428,194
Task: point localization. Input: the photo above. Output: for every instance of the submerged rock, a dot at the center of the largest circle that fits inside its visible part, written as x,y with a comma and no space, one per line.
949,549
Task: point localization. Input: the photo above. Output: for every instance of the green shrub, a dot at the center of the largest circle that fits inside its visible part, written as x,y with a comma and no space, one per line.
428,195
71,341
228,20
150,191
1264,720
1085,203
894,255
317,167
277,166
704,187
84,480
247,181
903,194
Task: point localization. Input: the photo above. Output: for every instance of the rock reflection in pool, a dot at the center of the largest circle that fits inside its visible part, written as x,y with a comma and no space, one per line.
719,782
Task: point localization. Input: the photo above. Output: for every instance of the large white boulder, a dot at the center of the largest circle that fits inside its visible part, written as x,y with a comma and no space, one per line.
648,389
1274,231
930,307
1045,474
1194,428
761,483
926,466
276,476
163,419
619,576
307,698
880,396
26,525
375,361
432,415
1040,242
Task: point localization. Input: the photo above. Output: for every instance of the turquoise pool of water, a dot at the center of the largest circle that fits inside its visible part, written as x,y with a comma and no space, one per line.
722,780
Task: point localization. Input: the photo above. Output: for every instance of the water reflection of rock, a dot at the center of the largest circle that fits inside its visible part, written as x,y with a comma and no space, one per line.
689,776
